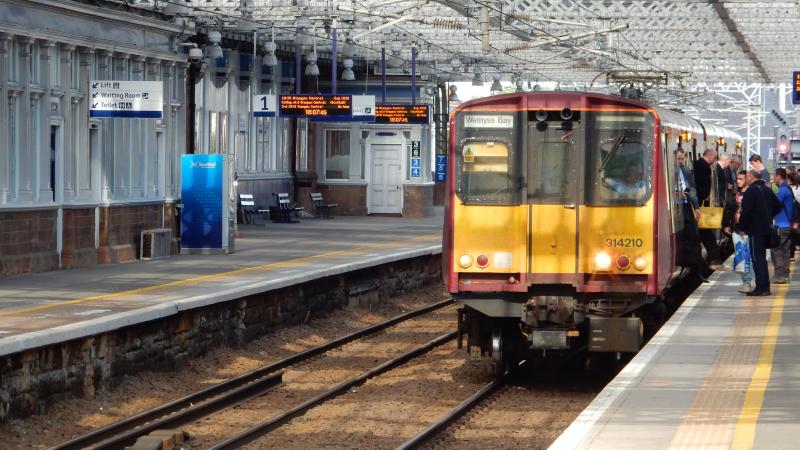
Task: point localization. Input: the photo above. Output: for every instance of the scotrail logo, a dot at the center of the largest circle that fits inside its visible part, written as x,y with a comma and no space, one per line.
204,165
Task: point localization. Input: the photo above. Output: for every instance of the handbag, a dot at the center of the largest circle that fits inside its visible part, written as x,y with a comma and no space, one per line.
774,237
710,218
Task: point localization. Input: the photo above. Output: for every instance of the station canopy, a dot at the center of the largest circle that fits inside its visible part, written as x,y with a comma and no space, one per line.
673,50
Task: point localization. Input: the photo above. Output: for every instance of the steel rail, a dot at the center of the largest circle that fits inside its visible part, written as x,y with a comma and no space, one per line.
441,423
262,428
129,428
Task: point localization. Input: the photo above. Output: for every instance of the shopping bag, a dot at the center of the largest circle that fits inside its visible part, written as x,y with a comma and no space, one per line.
710,218
741,254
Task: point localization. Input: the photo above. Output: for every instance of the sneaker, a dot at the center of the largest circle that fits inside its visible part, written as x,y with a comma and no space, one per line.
780,281
745,288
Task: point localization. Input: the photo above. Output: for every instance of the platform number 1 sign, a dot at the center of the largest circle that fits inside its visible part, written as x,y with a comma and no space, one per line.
416,161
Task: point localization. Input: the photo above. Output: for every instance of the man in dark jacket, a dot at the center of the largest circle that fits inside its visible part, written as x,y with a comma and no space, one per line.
702,180
688,239
759,206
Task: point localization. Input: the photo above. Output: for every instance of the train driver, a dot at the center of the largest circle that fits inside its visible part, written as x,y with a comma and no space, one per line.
631,186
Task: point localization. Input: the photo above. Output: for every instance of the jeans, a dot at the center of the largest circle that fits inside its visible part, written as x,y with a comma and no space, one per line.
780,255
758,251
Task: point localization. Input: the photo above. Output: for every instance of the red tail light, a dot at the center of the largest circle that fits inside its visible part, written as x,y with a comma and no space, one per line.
623,262
482,261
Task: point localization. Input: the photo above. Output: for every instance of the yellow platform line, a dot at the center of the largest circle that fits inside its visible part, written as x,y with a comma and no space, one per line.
745,433
206,278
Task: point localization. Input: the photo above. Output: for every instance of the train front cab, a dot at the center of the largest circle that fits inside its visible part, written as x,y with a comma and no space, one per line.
551,240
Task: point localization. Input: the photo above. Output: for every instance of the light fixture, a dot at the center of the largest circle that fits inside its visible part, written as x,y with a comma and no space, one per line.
214,51
452,96
303,35
496,86
455,63
270,60
349,48
311,58
477,78
519,85
347,73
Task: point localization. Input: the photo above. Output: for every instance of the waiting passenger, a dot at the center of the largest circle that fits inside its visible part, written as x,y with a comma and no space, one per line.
688,239
631,185
759,206
757,164
780,255
742,261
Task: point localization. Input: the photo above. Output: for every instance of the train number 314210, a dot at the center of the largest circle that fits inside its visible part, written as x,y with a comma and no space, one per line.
624,242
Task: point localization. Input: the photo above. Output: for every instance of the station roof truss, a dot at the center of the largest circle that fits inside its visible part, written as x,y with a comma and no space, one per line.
692,45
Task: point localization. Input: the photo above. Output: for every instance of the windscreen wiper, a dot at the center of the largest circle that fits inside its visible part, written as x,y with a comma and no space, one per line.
612,152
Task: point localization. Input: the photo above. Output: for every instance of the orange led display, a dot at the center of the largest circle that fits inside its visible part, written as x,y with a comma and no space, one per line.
402,114
328,107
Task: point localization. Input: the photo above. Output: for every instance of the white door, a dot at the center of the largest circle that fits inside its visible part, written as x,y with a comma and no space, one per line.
385,184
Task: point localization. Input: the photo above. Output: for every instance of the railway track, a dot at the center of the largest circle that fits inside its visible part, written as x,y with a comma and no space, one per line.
242,388
444,421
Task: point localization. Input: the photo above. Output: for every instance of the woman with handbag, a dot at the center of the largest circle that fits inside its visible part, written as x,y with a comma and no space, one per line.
741,247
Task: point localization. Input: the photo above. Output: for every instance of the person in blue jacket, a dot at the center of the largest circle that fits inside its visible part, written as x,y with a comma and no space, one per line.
780,255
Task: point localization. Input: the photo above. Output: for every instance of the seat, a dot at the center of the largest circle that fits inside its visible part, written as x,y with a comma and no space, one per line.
285,209
322,209
247,208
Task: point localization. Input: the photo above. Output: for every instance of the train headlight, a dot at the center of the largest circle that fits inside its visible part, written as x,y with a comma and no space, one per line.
623,262
465,261
640,262
602,261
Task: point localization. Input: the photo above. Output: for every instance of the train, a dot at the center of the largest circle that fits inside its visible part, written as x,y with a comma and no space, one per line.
561,220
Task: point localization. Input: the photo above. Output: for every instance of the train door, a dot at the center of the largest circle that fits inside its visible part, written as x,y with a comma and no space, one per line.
553,177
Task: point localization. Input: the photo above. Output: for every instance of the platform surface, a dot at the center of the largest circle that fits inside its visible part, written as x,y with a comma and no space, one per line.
45,308
724,372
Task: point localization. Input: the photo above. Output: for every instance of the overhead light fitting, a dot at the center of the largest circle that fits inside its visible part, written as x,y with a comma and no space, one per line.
303,35
214,51
496,86
270,60
311,57
477,79
452,96
347,73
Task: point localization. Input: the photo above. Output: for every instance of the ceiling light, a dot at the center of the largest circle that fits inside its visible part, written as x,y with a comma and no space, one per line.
347,73
311,57
453,97
270,60
496,86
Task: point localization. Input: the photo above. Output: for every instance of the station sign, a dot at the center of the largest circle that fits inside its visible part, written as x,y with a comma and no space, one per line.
796,88
265,105
441,168
416,159
316,107
364,108
126,99
402,114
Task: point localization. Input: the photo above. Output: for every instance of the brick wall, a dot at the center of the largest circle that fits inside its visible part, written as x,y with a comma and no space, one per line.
418,201
28,242
78,238
352,199
120,230
33,379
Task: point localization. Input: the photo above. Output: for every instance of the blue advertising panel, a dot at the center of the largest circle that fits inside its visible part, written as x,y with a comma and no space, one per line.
202,196
796,88
441,168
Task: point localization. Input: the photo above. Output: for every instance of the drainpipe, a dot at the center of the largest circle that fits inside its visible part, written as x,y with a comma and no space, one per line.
413,75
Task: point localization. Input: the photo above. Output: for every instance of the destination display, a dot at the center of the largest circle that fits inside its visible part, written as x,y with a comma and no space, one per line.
316,107
402,114
796,88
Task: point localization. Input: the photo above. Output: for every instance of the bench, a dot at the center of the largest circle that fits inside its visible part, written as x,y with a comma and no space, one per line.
285,209
249,211
323,209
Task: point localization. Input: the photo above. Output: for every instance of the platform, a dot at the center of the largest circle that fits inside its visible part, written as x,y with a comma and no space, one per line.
724,372
46,308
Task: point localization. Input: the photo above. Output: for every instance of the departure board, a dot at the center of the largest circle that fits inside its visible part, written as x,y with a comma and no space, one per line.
402,114
316,107
796,88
